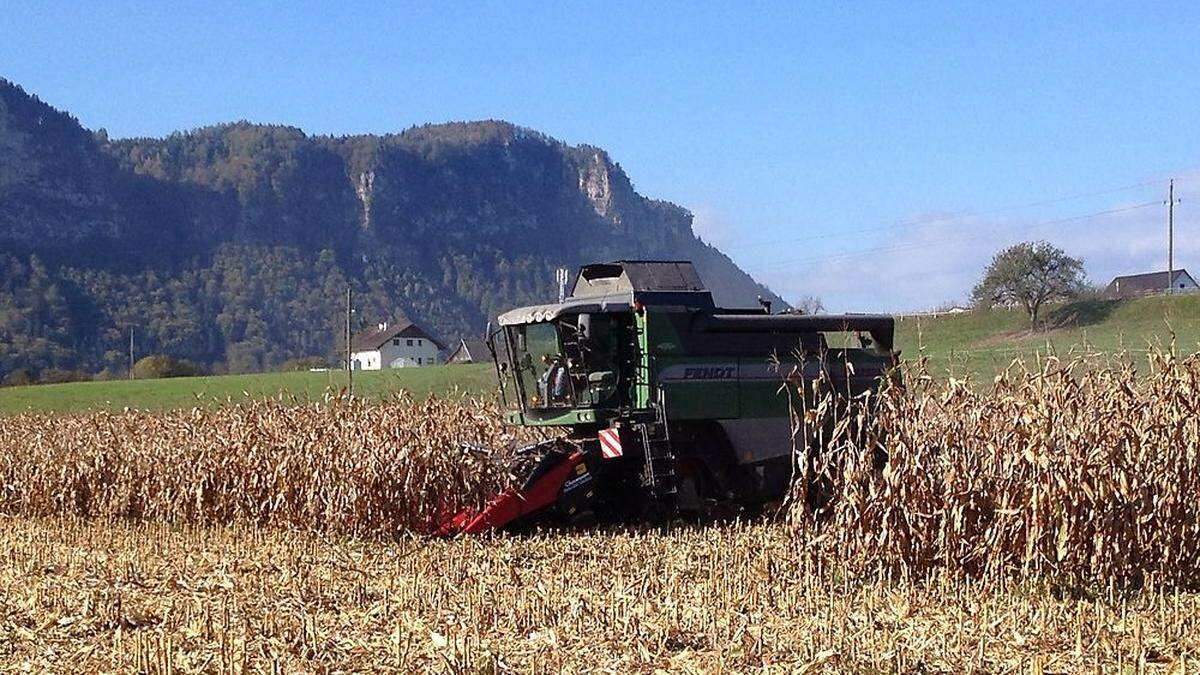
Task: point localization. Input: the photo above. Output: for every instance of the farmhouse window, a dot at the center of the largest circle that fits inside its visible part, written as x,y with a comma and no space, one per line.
410,343
395,342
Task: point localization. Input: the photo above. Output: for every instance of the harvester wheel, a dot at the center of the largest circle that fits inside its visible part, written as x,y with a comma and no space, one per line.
706,460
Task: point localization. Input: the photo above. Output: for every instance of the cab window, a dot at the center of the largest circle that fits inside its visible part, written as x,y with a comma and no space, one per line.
540,367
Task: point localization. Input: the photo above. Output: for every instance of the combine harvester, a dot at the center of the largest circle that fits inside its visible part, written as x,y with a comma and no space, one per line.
671,403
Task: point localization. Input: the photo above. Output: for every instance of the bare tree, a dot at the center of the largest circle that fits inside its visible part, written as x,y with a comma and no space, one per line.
810,304
1030,274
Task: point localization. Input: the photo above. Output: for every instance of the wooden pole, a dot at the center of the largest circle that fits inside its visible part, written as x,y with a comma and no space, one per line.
1170,235
349,363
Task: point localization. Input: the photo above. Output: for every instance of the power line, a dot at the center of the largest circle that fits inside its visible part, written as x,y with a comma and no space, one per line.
934,242
956,240
935,219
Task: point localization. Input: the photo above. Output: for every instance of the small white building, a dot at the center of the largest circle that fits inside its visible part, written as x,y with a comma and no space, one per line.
402,344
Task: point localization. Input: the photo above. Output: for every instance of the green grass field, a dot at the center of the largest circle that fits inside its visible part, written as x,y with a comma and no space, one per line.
982,343
978,344
188,391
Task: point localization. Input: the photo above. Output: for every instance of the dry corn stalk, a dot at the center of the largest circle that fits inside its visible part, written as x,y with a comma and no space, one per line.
340,465
1081,471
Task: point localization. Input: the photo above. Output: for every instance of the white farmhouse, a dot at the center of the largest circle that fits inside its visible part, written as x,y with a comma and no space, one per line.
397,345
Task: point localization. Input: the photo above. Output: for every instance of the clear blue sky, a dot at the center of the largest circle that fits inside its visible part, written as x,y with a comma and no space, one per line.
801,136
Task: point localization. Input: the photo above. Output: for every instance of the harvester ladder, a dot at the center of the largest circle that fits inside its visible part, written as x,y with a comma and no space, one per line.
659,475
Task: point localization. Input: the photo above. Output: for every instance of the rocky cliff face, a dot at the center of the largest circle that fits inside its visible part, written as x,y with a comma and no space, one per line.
449,224
593,183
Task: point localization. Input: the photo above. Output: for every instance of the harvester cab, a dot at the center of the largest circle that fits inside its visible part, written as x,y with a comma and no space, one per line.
669,403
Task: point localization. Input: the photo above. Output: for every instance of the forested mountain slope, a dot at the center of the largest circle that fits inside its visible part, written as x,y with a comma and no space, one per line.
232,245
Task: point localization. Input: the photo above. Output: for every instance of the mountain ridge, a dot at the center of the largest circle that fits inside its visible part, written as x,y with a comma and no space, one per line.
231,244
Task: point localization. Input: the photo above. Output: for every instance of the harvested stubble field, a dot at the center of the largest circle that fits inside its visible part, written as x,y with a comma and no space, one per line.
1046,523
150,598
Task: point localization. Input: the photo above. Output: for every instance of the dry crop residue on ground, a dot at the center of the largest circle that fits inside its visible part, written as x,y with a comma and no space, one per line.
87,597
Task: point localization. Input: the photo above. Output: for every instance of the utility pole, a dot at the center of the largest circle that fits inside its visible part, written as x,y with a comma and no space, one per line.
131,352
349,364
1170,235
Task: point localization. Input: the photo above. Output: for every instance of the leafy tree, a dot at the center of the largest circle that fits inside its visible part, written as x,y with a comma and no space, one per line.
59,376
304,363
159,366
1030,274
17,378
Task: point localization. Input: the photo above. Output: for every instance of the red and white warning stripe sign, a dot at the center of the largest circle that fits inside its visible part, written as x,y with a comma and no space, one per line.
610,443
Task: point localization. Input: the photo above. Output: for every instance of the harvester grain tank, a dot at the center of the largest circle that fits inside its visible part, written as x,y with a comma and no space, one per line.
670,403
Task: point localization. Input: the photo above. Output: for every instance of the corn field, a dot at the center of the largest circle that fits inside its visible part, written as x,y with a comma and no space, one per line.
1072,470
1046,523
339,466
1080,471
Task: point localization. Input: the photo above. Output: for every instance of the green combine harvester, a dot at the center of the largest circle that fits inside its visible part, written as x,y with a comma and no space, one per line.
670,403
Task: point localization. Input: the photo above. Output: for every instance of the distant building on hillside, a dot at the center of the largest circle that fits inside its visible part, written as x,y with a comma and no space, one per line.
402,344
470,351
1135,285
952,309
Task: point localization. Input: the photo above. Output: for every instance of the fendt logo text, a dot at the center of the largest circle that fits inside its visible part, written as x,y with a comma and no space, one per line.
717,373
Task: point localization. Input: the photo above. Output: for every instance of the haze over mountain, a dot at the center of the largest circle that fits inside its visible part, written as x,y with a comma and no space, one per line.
232,245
